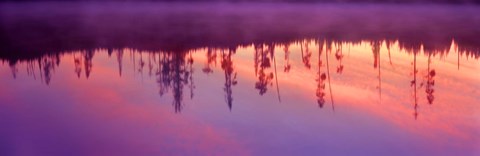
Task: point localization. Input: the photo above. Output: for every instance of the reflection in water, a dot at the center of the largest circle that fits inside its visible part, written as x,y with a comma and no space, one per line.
430,81
174,70
173,73
329,50
376,64
227,66
413,83
339,57
287,66
247,79
46,66
320,92
306,54
262,60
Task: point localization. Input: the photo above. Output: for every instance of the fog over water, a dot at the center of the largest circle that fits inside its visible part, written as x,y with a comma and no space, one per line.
67,26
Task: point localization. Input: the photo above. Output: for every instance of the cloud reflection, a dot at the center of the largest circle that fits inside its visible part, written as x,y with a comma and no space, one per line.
174,71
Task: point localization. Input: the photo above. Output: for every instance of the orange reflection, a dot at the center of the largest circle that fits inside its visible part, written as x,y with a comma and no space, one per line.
437,88
174,70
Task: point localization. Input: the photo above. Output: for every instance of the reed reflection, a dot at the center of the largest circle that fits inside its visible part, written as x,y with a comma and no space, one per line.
174,70
329,51
413,84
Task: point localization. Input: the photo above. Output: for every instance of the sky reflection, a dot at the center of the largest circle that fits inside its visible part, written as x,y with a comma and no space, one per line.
307,96
239,79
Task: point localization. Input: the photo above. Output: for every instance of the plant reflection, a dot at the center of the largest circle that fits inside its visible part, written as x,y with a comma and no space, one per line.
329,51
413,84
376,45
320,92
430,81
174,70
227,66
262,60
287,66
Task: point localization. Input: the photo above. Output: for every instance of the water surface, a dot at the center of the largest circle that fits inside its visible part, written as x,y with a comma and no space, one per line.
217,79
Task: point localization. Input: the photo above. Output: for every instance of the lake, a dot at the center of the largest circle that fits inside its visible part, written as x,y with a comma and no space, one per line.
239,79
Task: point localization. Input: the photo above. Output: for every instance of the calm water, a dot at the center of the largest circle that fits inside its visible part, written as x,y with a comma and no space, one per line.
245,79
